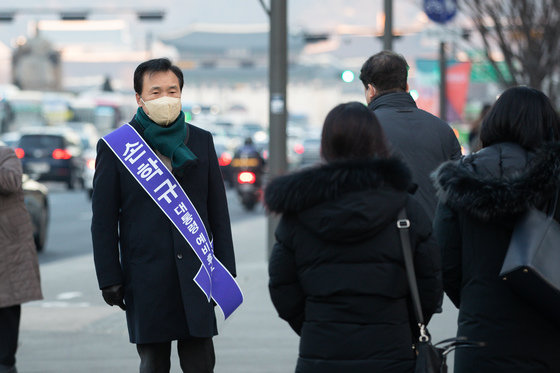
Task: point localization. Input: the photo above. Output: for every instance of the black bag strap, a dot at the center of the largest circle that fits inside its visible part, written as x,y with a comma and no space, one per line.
447,345
403,224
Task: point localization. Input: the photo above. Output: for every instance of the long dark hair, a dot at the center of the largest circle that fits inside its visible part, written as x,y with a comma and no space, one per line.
521,115
351,131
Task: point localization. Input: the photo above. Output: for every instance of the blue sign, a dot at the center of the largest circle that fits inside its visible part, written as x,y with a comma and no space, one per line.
440,11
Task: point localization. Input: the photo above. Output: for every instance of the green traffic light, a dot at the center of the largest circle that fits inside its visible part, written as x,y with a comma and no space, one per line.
347,76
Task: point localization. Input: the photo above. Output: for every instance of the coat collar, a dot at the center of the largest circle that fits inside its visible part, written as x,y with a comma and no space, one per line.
393,99
301,190
487,186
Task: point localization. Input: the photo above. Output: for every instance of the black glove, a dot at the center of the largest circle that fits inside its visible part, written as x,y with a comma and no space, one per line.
114,296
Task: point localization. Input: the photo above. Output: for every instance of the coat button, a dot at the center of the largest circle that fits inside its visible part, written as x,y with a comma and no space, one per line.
179,256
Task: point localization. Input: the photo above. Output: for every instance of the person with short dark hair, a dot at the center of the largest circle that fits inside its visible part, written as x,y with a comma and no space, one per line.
420,138
337,272
145,263
480,198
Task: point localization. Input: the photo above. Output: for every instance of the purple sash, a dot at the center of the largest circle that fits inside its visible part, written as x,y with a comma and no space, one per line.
140,160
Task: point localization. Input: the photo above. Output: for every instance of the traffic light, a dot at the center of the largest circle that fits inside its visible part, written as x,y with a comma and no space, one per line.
347,76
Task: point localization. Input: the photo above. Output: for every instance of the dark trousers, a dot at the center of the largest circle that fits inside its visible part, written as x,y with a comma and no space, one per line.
9,332
196,355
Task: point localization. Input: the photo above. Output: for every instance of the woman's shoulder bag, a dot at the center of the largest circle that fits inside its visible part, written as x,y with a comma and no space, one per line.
532,262
430,358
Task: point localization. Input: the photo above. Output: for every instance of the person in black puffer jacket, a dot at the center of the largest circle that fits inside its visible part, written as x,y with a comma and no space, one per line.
481,197
337,273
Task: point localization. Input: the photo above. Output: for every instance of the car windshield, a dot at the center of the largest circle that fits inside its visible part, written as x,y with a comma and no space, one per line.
40,142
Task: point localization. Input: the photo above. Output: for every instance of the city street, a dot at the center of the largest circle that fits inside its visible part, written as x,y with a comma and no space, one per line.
73,330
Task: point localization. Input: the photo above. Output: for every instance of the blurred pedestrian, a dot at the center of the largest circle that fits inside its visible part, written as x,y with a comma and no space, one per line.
480,198
337,272
421,139
149,237
19,268
474,134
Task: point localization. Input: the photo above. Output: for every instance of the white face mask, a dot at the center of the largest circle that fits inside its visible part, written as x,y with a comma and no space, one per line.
163,110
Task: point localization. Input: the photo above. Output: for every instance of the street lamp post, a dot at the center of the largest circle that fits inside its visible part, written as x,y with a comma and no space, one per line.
388,30
278,63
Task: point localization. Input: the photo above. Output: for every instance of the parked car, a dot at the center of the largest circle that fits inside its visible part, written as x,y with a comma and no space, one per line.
52,154
37,204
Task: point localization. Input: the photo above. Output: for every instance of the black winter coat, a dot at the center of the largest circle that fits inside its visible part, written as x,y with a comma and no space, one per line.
480,198
422,140
337,272
155,263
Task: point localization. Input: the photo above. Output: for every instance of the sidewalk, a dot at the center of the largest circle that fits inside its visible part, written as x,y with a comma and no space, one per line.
254,339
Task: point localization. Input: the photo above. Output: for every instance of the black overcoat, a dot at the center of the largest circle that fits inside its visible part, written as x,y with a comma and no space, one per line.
337,272
155,264
480,198
422,140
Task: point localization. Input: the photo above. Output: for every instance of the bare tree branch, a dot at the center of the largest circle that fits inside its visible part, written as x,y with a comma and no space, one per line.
265,8
527,34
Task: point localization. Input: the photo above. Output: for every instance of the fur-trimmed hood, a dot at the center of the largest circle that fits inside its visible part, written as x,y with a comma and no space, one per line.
501,181
342,199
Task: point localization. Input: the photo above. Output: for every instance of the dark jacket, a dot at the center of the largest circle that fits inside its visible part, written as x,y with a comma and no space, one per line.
481,197
156,264
422,140
337,272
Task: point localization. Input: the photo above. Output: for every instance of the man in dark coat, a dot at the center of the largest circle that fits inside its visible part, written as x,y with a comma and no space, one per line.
143,263
421,139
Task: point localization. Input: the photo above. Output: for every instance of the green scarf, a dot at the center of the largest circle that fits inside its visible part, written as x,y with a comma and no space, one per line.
170,140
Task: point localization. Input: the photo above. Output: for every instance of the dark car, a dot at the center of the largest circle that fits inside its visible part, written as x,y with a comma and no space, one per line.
37,204
52,154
